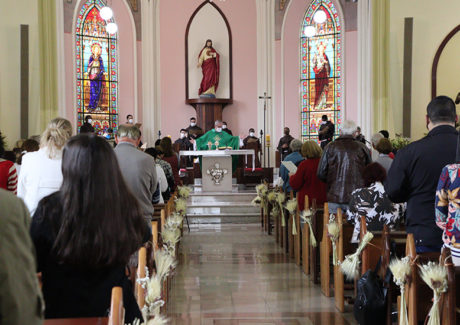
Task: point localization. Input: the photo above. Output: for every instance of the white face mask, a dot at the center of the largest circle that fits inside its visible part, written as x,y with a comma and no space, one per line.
251,134
192,123
90,121
218,130
130,121
224,126
182,135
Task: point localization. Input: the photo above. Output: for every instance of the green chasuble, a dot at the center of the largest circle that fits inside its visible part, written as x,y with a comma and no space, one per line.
223,140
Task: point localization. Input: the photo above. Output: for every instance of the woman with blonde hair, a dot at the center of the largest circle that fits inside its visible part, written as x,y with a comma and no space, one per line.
41,172
305,180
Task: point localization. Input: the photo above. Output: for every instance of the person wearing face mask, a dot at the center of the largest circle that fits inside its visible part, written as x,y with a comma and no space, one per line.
283,145
87,127
129,119
193,130
251,138
217,139
184,144
226,129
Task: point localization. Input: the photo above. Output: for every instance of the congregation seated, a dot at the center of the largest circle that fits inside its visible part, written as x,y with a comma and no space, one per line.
414,173
41,172
29,145
170,157
341,167
296,158
373,203
138,168
305,181
159,155
162,190
85,233
21,300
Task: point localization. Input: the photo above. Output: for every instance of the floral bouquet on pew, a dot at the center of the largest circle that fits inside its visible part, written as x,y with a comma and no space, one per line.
305,216
183,191
291,206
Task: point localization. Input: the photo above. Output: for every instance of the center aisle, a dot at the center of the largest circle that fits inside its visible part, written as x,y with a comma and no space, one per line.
234,274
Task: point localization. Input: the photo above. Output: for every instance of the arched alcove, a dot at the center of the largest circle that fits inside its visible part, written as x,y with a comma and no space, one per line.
208,22
445,79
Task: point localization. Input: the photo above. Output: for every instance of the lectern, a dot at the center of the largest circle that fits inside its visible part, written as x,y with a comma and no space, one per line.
208,110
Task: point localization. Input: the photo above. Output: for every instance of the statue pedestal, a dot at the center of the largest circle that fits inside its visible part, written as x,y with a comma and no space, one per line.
208,110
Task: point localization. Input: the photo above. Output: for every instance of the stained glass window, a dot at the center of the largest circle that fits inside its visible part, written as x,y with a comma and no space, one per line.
97,69
321,72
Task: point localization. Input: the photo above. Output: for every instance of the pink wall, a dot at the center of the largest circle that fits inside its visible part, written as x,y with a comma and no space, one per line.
126,91
290,37
174,112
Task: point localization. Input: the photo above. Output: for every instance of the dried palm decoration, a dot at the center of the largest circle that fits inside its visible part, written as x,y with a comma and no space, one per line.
435,276
291,206
305,216
271,197
164,263
280,198
183,191
350,265
153,300
401,271
181,205
171,236
158,320
333,231
262,192
257,201
174,220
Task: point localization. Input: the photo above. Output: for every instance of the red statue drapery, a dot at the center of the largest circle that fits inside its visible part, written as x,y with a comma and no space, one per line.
210,69
322,72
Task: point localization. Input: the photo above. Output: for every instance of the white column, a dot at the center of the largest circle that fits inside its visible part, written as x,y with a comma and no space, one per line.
61,86
365,67
150,70
266,69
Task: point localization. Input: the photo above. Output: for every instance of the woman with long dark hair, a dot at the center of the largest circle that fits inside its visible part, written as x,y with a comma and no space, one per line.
85,233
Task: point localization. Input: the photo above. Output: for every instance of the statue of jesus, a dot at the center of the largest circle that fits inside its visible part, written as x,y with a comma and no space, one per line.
208,60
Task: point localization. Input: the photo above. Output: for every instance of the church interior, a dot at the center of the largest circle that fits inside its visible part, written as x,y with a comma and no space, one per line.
295,161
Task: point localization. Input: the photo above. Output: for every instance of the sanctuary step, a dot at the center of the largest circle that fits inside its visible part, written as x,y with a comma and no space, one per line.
222,207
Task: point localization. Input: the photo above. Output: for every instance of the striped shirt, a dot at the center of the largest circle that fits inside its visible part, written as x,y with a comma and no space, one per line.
8,176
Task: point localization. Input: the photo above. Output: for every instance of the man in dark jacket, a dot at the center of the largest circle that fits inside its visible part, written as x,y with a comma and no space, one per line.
87,127
283,145
341,167
415,171
326,131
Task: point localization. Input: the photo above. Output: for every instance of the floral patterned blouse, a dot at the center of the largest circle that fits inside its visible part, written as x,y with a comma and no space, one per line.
373,203
448,204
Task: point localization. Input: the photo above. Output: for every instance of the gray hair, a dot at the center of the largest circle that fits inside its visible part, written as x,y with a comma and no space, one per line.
348,127
376,138
129,131
295,145
217,122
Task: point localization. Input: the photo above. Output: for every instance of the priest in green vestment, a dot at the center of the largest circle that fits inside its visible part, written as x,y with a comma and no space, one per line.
216,139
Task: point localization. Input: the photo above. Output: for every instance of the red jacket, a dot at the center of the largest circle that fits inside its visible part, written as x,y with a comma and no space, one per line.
8,176
306,182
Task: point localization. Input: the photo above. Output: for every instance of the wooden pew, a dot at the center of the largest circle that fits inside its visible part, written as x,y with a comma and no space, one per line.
344,247
449,298
418,305
116,316
325,254
318,225
297,238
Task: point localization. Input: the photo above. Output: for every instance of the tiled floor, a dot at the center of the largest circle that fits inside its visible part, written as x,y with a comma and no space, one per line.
236,275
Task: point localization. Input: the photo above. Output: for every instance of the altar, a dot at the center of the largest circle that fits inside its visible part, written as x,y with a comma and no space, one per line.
217,167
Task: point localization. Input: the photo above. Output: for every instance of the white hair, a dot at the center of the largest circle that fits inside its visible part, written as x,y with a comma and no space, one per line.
348,127
376,138
129,131
217,122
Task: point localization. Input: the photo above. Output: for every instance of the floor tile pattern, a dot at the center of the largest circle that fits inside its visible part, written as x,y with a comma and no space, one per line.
236,275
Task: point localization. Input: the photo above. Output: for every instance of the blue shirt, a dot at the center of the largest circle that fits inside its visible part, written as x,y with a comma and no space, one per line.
296,158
